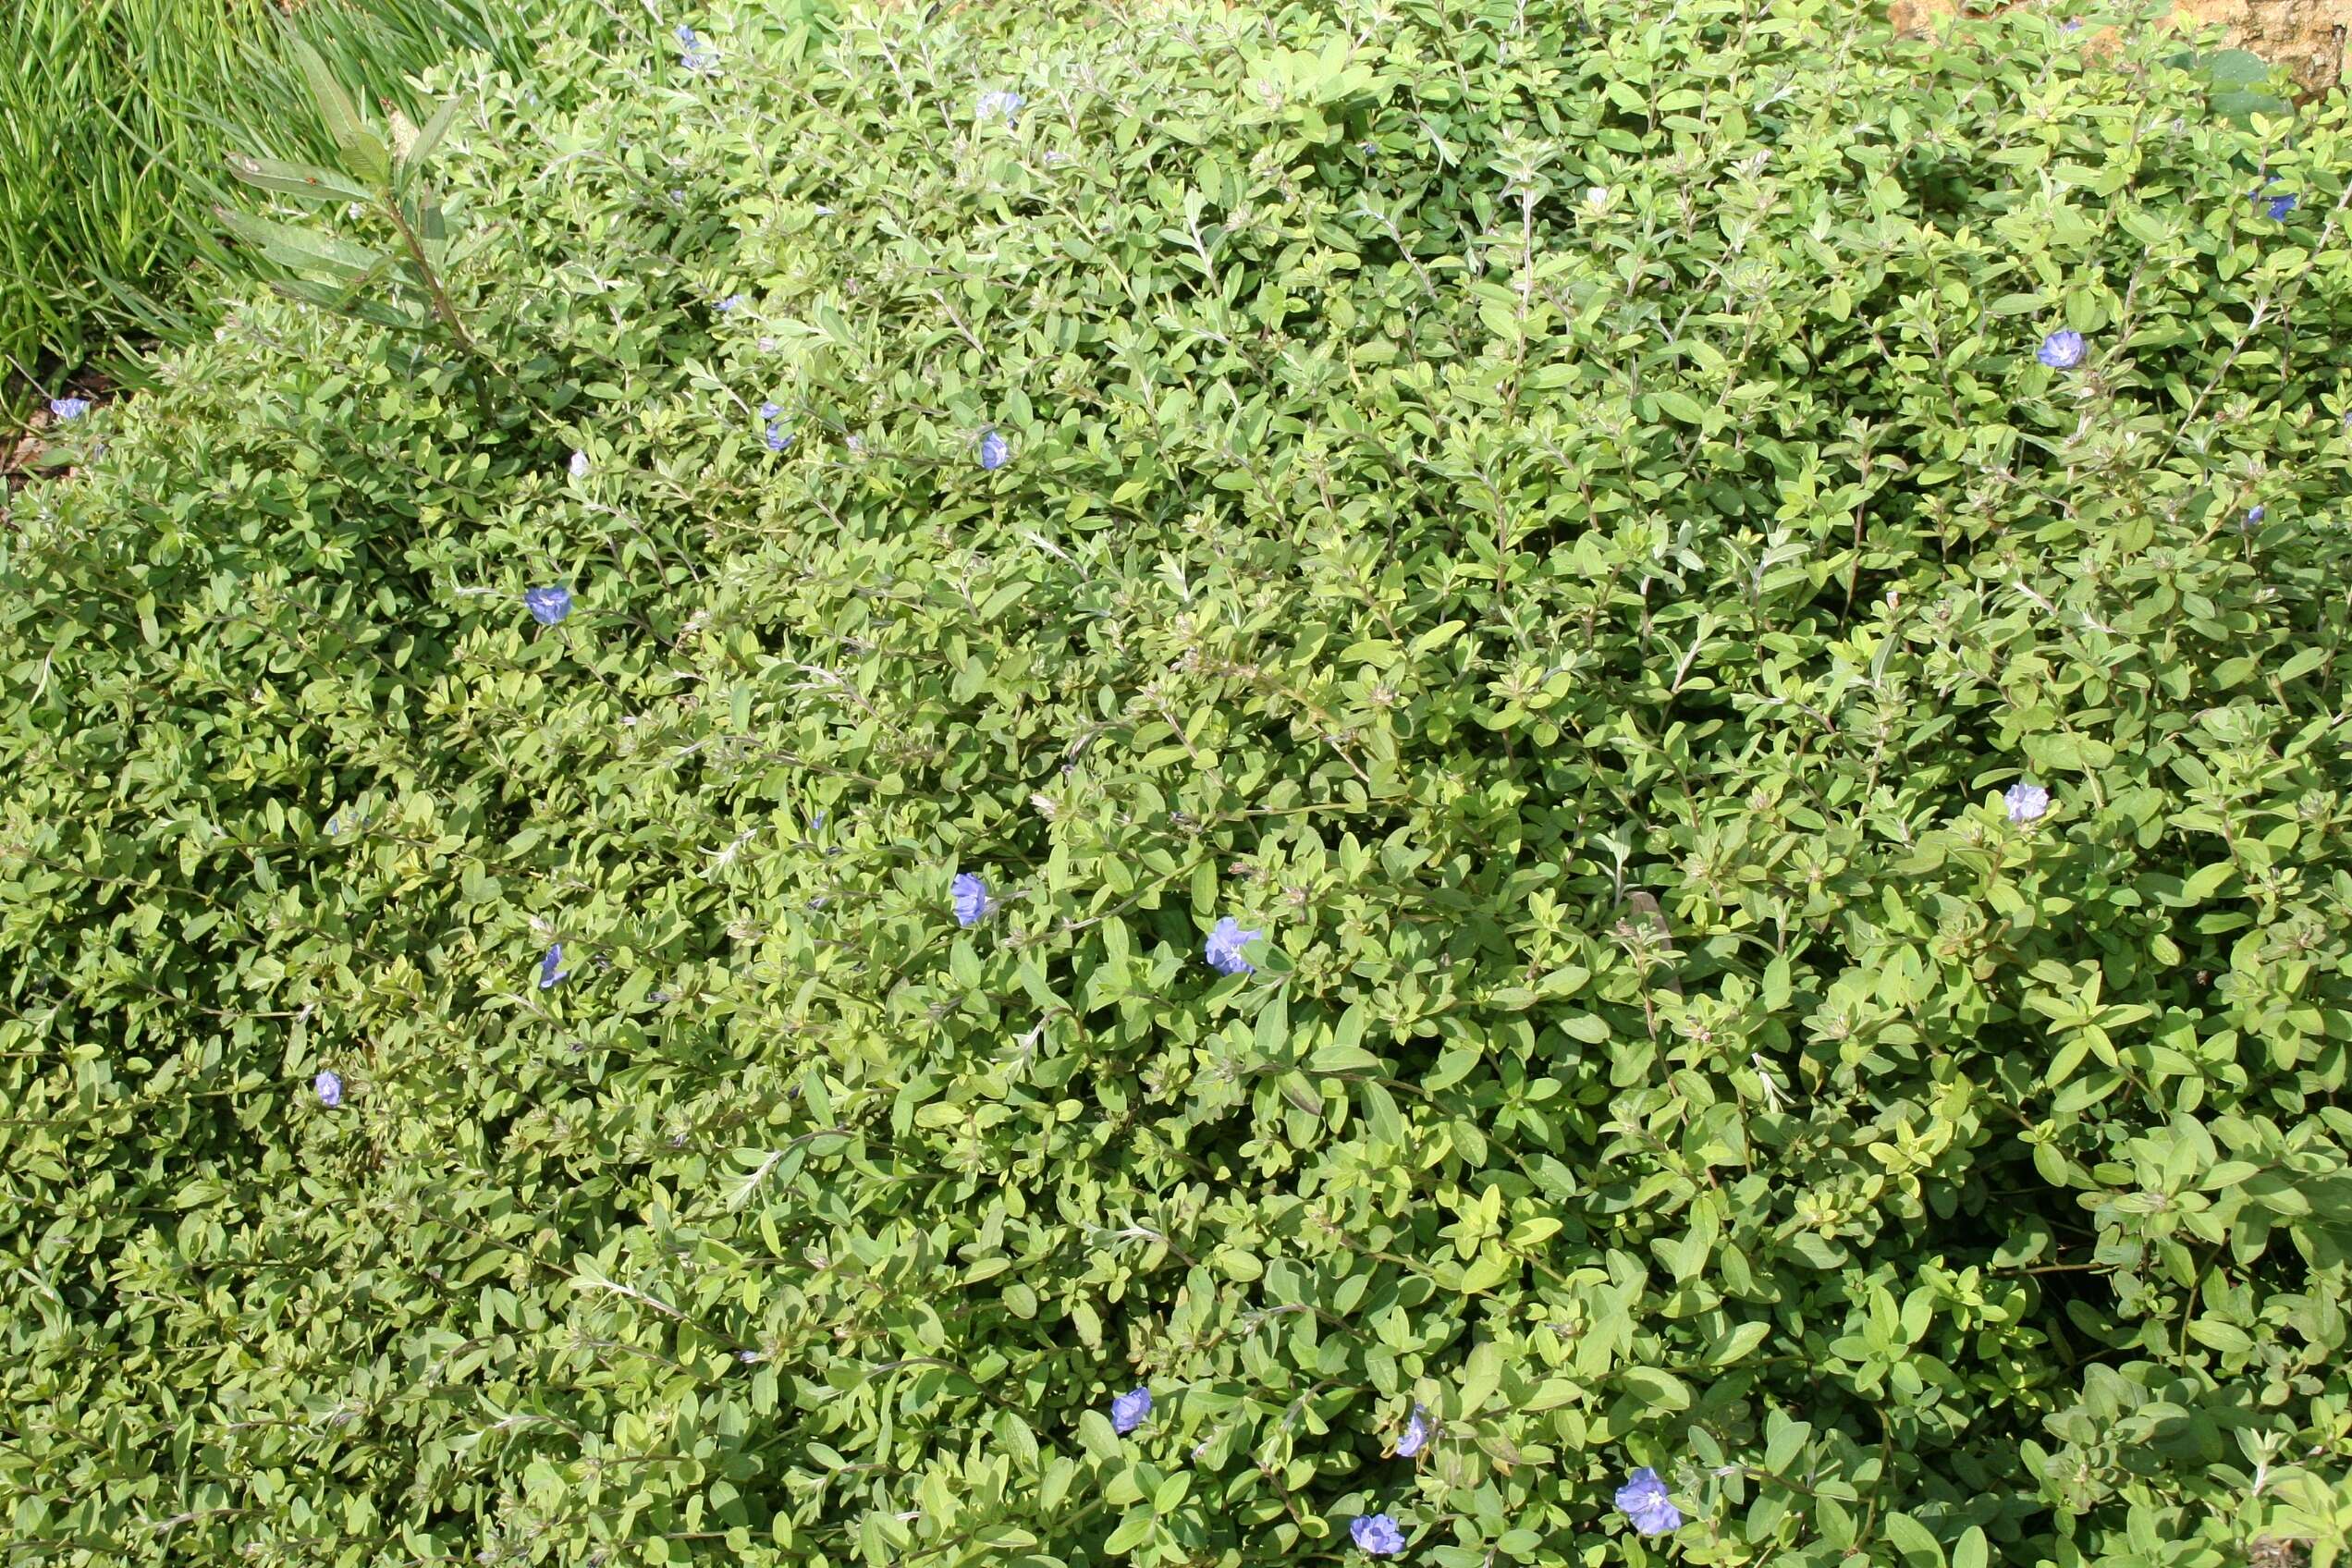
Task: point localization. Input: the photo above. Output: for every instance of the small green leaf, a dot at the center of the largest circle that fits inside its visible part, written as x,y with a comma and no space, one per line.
1912,1538
1343,1058
1737,1343
2224,1337
1681,406
1657,1389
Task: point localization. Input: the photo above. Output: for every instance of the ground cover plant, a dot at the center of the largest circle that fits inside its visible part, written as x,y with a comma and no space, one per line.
1468,782
114,119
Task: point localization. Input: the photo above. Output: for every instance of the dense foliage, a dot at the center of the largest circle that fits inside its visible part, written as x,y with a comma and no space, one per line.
1558,517
113,117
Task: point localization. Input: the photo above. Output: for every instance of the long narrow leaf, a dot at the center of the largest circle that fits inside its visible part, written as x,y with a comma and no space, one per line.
335,106
302,248
429,138
305,181
343,301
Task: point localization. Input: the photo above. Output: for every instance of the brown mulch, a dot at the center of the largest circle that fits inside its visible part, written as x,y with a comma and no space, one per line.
24,448
2308,37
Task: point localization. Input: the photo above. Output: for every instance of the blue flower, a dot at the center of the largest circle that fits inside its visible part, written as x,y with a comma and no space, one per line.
686,38
2277,206
771,412
1127,1412
972,906
548,972
2026,802
777,436
2062,349
2254,516
68,407
1643,1496
547,605
1225,944
733,301
580,465
1417,1434
330,1089
1377,1534
993,105
994,451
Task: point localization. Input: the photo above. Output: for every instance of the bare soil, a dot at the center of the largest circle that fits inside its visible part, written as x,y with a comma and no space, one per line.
2306,36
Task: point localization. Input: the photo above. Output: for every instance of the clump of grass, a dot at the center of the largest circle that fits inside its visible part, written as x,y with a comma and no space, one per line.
114,117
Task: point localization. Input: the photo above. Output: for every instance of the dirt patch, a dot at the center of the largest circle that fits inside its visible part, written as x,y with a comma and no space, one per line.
2306,36
24,448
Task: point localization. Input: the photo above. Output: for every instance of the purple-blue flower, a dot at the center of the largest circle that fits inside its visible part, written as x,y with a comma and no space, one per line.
686,39
547,605
2062,349
1377,1534
1643,1496
2277,206
580,465
2254,516
68,407
330,1089
972,904
548,972
995,452
1417,1434
777,436
733,301
2026,802
993,105
771,412
1127,1412
1225,944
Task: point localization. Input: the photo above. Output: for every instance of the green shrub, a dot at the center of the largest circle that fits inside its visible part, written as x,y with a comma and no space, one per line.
113,117
1551,513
